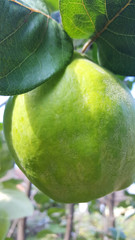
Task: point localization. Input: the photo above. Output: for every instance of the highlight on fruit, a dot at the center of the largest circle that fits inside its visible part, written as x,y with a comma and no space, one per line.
74,136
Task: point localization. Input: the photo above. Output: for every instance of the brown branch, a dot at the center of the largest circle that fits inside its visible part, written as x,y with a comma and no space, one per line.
69,226
109,221
22,221
12,228
111,203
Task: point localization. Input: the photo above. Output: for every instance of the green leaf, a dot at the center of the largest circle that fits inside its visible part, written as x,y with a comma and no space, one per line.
52,4
92,53
41,198
33,47
1,126
56,228
79,17
117,234
49,237
129,194
11,183
46,235
6,160
126,203
43,233
43,201
111,24
56,213
93,206
4,224
15,203
9,239
81,238
32,238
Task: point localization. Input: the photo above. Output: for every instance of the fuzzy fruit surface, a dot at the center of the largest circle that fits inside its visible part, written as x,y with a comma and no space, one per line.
74,135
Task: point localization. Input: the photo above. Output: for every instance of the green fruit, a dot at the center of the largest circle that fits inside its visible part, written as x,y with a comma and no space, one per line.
74,135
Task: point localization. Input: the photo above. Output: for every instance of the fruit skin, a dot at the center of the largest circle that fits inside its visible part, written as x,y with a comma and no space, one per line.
74,135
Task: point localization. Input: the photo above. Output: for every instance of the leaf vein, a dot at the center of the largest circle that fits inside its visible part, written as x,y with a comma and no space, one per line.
98,34
124,54
11,34
88,14
31,9
120,34
19,65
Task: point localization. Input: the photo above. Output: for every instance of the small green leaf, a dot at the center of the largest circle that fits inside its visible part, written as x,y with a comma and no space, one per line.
10,183
41,198
43,233
32,238
92,53
56,228
6,160
81,238
15,203
93,206
56,213
53,5
43,201
129,194
33,46
111,24
1,126
4,224
117,234
79,17
9,239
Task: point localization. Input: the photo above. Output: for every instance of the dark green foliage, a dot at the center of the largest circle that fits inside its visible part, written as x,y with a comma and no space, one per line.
111,24
33,47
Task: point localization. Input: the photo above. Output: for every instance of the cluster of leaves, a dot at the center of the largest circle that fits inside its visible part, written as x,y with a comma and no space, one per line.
53,221
109,24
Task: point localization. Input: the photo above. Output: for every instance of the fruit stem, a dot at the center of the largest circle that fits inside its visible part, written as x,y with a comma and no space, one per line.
90,42
87,45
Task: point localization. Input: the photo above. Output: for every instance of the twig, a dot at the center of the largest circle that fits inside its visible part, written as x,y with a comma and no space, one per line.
12,228
110,219
87,45
69,226
111,203
21,229
90,42
22,221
